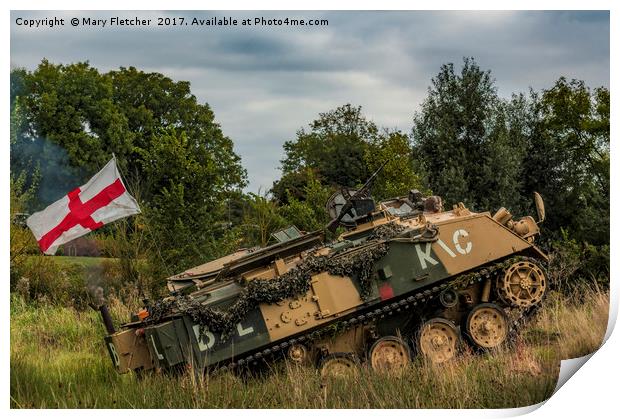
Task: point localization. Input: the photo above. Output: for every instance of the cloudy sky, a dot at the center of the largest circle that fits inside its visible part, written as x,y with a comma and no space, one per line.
264,83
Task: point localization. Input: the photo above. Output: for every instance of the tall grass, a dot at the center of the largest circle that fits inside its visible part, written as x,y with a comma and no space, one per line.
58,361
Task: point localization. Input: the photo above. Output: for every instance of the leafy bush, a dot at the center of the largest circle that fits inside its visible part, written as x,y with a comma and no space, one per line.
22,241
308,214
43,280
131,270
574,265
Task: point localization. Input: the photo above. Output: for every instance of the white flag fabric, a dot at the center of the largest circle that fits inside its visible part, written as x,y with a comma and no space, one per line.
100,201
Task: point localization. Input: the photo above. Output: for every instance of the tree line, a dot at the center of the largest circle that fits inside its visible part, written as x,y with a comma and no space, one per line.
466,144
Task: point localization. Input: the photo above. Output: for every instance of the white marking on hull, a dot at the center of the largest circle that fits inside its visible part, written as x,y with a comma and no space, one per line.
242,331
159,356
201,343
117,360
446,248
455,238
425,256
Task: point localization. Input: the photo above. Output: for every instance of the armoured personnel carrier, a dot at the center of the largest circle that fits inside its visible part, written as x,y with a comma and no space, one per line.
405,278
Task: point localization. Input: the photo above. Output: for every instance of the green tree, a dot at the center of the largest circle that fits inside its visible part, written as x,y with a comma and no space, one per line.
334,148
568,159
170,149
342,149
72,107
152,102
308,214
502,157
490,152
398,176
261,219
292,185
185,213
22,192
463,139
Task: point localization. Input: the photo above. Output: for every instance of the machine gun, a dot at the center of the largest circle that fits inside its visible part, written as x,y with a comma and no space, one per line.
359,201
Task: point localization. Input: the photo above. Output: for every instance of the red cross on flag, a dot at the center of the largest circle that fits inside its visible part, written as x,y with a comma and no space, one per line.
100,201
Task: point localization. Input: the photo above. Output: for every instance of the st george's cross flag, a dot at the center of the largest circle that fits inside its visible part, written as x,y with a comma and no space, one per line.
100,201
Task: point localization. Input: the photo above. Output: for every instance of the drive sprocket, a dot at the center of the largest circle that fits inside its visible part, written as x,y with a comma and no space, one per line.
522,285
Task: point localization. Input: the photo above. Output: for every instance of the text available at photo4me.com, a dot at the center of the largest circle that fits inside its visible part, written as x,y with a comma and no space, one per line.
136,21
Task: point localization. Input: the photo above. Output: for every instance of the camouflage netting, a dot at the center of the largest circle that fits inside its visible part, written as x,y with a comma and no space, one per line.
356,263
387,231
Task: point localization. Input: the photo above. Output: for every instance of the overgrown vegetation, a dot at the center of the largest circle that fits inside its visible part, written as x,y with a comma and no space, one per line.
58,360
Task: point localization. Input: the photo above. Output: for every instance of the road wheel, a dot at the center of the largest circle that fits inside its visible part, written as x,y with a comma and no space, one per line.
487,326
298,354
389,354
438,340
339,365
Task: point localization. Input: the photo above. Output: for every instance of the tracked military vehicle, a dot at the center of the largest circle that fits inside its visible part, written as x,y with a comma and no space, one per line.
405,278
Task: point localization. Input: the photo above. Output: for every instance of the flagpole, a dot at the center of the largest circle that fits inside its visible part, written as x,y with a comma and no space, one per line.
120,175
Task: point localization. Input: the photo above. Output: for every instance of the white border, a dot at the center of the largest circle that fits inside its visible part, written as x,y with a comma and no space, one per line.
592,393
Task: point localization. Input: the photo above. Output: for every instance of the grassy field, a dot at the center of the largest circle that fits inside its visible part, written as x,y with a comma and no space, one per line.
86,261
58,361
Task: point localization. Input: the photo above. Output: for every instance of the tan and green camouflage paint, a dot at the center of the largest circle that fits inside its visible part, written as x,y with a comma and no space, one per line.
465,241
